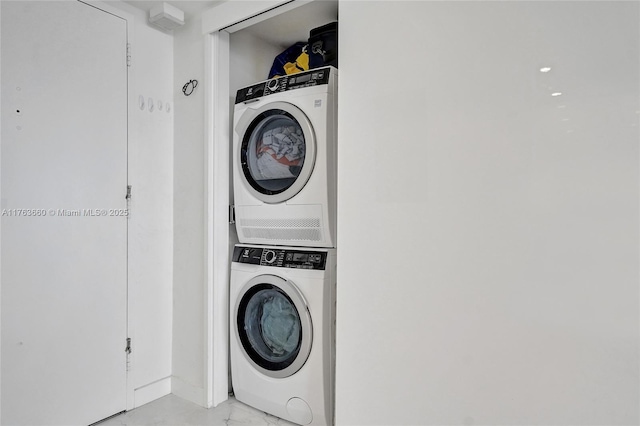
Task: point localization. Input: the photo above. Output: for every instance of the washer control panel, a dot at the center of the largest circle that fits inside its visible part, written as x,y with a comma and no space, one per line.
281,258
313,77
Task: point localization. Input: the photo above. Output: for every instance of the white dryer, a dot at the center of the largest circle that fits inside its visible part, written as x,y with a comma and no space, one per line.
284,160
282,315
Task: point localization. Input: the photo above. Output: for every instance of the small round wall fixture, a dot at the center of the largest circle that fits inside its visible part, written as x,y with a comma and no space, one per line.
189,87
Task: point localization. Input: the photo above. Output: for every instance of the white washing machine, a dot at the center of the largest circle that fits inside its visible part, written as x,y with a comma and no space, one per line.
282,316
284,160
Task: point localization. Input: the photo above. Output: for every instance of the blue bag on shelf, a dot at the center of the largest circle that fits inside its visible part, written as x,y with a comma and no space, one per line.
288,56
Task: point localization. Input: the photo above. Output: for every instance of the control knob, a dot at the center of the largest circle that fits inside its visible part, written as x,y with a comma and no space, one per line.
272,85
269,256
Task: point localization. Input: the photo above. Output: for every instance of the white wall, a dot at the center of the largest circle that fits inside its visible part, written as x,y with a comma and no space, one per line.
250,60
151,221
189,219
487,231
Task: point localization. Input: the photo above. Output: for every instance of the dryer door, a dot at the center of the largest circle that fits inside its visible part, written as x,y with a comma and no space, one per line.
277,151
273,326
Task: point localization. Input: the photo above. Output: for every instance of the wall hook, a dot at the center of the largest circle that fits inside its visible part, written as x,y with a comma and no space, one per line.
188,88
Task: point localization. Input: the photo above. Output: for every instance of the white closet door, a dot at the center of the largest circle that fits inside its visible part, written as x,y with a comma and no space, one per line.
63,167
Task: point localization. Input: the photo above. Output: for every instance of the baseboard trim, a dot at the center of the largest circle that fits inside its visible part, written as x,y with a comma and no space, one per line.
187,391
152,391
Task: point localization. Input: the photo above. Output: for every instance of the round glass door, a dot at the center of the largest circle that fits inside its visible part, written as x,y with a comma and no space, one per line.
273,326
277,152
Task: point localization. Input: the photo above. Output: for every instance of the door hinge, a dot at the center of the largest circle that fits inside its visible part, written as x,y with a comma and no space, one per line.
128,196
127,351
232,214
128,54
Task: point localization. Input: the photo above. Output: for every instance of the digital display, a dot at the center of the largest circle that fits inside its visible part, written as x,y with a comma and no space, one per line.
301,79
300,257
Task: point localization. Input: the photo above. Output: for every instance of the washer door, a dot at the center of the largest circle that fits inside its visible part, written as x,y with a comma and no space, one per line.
277,151
273,325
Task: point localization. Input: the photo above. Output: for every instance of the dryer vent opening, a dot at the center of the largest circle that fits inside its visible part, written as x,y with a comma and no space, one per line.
282,229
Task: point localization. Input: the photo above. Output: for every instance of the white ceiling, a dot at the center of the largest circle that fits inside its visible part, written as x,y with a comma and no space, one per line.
190,8
280,30
288,28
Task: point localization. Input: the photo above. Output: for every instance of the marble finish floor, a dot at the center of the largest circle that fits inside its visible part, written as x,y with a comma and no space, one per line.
174,411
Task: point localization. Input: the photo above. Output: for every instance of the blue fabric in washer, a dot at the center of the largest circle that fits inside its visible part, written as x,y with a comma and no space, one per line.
280,325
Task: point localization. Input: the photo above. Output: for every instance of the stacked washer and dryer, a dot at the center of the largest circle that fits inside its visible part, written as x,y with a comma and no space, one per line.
282,290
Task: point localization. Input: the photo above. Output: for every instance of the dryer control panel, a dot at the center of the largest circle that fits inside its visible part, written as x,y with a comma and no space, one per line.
281,258
312,77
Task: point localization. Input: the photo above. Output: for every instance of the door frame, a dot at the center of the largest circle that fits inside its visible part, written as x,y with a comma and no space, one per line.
131,103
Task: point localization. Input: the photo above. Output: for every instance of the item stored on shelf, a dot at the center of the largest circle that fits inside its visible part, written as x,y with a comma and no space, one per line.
323,46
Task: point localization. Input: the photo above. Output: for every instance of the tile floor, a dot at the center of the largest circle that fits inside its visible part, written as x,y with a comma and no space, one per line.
174,411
